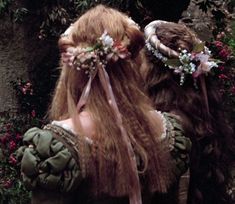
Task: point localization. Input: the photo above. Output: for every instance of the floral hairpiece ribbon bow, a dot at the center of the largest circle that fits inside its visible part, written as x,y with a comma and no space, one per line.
105,50
205,62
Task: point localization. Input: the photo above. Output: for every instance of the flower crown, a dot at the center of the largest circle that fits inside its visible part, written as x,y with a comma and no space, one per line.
104,50
183,62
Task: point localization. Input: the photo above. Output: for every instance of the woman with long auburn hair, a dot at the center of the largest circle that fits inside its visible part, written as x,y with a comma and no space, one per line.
106,143
179,81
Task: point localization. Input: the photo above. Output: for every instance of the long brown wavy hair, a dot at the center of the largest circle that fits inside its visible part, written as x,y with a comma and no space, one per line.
109,166
213,144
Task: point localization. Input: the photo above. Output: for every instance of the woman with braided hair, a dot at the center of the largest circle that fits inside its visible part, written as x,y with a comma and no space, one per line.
106,143
179,81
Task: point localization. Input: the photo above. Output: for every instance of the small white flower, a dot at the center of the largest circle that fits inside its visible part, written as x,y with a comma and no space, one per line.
106,39
207,51
211,65
164,59
193,66
181,68
177,71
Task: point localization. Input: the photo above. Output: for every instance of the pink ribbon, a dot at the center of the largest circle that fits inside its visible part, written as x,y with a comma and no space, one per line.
135,195
85,93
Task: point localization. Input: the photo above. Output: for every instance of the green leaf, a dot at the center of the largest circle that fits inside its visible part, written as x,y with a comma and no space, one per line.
199,47
89,49
217,61
173,62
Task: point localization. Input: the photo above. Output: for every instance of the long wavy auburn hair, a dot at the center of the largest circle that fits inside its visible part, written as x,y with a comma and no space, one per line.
108,165
213,144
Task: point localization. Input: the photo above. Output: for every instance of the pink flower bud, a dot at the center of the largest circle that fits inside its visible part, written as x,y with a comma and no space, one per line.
33,113
7,183
18,136
223,76
12,160
24,90
218,44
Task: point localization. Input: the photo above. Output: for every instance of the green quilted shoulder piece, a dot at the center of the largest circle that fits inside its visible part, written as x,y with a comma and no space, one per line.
180,145
47,162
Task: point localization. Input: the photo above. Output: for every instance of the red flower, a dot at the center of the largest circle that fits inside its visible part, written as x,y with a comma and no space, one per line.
218,44
221,68
18,136
223,76
12,145
7,183
224,53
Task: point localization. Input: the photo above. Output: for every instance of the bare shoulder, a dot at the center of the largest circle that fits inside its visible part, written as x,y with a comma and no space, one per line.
86,122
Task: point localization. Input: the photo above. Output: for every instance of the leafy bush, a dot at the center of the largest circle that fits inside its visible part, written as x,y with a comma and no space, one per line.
11,189
12,127
223,50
